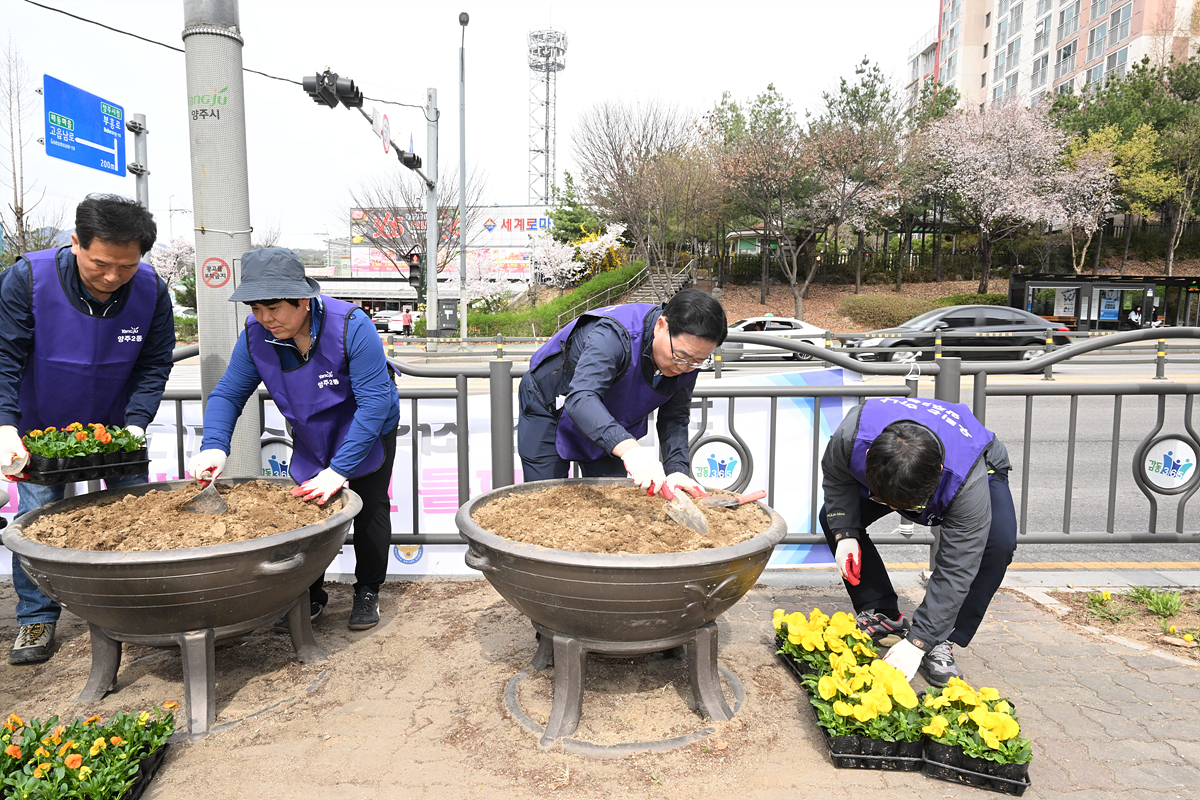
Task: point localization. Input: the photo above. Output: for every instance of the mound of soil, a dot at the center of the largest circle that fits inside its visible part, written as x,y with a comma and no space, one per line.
156,520
613,519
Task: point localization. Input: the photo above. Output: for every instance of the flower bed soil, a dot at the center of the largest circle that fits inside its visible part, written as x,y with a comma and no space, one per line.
156,520
612,519
1140,626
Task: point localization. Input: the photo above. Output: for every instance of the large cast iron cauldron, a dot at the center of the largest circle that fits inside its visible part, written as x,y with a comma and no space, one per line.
613,597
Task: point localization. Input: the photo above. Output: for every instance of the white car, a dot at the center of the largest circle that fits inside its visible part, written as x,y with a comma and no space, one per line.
784,327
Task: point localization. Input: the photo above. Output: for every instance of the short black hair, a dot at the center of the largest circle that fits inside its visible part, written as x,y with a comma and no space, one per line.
295,301
116,220
904,465
697,313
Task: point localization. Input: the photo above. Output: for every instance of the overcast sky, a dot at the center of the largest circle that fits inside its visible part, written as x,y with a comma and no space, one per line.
305,159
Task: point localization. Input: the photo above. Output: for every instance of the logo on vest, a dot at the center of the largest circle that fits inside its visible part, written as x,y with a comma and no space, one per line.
327,379
130,335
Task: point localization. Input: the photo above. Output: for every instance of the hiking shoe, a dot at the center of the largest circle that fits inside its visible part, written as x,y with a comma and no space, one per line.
365,613
33,645
879,626
938,667
281,624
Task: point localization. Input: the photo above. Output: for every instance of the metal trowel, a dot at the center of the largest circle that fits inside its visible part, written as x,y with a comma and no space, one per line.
681,509
207,501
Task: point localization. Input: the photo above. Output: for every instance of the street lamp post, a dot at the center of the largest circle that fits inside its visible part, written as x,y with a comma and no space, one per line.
463,19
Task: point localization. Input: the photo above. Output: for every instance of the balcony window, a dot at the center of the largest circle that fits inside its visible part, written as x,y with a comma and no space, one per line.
1037,99
1115,65
1041,35
999,69
1093,78
1097,43
1064,87
1001,33
1118,24
1041,65
1043,6
997,94
1068,20
1065,61
1014,52
1010,84
1002,7
1098,9
1015,20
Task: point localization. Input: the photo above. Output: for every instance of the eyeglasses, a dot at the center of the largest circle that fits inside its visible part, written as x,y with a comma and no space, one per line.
701,364
915,509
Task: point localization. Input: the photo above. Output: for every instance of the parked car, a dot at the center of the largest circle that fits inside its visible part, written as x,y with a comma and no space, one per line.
783,327
396,323
382,318
1023,335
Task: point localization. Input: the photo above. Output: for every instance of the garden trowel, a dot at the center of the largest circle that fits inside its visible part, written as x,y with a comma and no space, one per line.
681,509
207,501
732,500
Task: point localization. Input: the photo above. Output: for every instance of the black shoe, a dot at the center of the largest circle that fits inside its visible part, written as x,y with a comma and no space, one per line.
34,644
281,624
365,613
880,626
938,666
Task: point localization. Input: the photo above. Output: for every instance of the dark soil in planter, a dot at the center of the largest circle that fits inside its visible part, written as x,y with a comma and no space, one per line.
155,520
612,519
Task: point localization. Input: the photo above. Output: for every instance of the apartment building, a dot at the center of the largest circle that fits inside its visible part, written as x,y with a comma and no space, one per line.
993,50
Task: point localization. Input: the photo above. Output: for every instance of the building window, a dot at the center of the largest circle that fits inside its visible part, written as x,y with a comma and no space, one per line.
1118,24
1041,65
1065,62
1041,35
1015,18
1093,78
987,21
1037,100
1043,6
985,49
1010,84
983,81
1096,41
1068,20
1002,7
997,94
1014,52
1115,65
1064,87
1098,9
999,69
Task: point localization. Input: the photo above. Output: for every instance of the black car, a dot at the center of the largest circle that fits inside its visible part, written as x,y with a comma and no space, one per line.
972,333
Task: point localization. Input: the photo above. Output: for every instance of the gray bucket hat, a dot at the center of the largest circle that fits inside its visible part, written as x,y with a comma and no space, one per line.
273,273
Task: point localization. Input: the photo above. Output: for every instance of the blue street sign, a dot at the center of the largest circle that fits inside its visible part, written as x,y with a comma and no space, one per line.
83,128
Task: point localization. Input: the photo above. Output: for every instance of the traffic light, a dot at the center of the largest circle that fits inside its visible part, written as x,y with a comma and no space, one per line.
416,269
328,89
410,160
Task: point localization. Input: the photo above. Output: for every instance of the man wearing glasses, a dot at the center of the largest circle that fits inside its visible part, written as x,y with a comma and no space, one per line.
934,464
591,388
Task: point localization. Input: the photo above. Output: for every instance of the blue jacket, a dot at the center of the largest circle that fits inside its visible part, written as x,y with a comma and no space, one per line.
372,383
153,366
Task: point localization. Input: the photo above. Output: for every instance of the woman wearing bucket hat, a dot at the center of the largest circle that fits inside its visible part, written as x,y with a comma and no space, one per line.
323,363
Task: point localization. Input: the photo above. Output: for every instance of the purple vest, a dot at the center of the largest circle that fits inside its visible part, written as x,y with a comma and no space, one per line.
80,368
315,397
630,399
963,439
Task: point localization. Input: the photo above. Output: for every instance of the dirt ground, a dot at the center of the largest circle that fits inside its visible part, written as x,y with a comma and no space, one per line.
156,520
613,519
1137,624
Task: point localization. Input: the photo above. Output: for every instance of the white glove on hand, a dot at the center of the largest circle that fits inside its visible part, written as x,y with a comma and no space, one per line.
906,657
207,465
677,480
325,485
644,468
13,455
849,560
136,431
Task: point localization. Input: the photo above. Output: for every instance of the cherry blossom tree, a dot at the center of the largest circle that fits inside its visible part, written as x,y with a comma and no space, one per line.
174,261
486,284
554,261
1000,165
1087,189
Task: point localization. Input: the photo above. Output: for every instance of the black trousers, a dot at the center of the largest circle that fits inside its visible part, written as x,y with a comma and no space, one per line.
372,526
536,429
875,587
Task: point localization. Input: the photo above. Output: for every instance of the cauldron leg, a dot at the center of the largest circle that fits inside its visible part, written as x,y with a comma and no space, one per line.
544,657
106,660
703,674
300,628
199,679
570,660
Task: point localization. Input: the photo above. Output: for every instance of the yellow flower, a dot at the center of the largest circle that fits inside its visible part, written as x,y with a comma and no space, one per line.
937,727
812,640
1004,726
961,694
859,677
777,618
835,643
1171,629
865,712
41,752
843,624
962,718
144,717
98,746
840,707
41,769
989,738
15,720
839,662
1003,707
1107,595
170,704
1187,637
84,772
91,720
936,702
988,693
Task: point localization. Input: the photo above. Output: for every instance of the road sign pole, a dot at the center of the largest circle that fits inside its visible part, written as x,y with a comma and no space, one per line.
140,167
433,319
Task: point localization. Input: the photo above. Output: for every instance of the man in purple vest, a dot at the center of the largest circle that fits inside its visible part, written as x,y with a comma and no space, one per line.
590,390
86,334
323,363
934,464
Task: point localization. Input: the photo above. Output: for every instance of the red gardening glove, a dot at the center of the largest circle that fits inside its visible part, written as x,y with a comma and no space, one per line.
849,560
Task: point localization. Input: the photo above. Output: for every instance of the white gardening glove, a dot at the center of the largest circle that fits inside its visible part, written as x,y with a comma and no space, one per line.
207,465
906,657
849,560
134,430
325,485
677,480
13,455
646,470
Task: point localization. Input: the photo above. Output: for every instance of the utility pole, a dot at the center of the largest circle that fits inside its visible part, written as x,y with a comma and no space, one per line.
463,19
432,313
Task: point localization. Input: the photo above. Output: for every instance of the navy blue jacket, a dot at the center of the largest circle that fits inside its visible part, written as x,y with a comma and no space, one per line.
153,366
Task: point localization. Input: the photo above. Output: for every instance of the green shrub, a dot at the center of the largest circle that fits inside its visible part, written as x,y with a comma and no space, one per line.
883,311
972,300
186,329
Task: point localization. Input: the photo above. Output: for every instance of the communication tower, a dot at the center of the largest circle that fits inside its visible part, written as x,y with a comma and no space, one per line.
547,57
